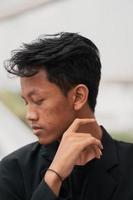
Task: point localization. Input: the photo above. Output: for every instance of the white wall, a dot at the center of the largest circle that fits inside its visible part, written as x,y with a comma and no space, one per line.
108,24
13,132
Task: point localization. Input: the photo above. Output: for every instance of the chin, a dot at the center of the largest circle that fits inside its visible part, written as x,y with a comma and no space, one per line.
45,141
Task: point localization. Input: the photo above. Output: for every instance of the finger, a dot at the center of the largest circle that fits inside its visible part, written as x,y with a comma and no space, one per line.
86,137
98,152
88,142
94,151
77,122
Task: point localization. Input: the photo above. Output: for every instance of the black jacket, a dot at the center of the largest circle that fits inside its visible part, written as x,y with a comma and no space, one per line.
110,178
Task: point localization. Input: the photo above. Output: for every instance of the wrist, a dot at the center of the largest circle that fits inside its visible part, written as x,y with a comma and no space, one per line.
53,181
57,174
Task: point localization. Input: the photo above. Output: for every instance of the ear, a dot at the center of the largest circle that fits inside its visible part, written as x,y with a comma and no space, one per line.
80,96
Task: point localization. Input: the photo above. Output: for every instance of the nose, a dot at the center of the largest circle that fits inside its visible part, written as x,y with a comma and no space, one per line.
31,114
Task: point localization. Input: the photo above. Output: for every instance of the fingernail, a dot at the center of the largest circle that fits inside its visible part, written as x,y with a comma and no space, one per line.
98,156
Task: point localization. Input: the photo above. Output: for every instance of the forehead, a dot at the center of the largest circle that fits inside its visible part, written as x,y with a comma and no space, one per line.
38,83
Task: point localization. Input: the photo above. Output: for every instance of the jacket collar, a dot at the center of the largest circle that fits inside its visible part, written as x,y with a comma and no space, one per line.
104,175
109,158
49,151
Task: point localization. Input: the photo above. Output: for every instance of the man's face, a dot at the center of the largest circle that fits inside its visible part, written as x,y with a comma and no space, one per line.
49,112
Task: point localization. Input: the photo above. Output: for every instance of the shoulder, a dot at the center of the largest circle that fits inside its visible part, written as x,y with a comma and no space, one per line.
124,148
125,153
22,154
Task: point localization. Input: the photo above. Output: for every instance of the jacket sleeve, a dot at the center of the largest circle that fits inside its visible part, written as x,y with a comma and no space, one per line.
11,181
43,192
12,184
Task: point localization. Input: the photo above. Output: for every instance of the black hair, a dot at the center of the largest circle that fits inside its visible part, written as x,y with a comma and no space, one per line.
68,58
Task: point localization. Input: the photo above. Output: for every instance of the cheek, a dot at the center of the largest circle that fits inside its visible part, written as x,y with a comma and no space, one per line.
56,108
62,110
57,115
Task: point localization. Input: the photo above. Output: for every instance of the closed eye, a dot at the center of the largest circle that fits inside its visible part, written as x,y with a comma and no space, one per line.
39,102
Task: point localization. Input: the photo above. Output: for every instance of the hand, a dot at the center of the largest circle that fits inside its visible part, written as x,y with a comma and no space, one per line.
75,148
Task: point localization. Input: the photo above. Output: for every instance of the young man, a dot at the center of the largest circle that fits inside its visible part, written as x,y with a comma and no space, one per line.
74,157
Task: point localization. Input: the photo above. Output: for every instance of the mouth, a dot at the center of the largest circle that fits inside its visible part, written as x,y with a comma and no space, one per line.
36,130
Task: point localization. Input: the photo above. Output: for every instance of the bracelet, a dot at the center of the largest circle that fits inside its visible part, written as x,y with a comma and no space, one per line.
59,176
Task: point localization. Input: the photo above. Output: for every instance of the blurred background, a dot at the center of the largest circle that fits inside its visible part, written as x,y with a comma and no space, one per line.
109,24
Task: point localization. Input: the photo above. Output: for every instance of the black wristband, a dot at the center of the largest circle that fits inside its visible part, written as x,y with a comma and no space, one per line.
59,176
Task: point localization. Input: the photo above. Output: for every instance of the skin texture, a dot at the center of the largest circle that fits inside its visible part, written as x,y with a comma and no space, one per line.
67,119
47,107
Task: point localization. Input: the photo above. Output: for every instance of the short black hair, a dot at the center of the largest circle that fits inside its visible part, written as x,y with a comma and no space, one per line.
68,58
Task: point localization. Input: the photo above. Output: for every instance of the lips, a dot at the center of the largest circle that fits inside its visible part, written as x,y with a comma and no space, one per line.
36,129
